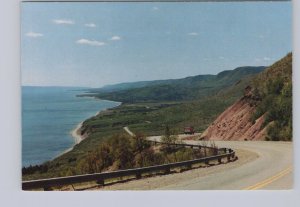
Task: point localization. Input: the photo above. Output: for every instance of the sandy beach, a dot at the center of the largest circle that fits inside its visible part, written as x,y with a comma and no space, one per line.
76,134
77,139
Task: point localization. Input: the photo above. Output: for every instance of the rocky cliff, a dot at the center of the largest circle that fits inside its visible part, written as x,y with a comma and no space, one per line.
234,124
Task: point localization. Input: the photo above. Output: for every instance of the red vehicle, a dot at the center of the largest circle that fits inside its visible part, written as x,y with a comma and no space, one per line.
189,130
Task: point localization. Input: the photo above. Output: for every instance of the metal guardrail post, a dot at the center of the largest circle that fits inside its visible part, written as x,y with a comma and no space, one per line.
167,170
228,158
100,181
47,188
189,166
138,175
206,162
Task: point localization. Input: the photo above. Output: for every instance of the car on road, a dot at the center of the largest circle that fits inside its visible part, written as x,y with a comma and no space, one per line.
189,130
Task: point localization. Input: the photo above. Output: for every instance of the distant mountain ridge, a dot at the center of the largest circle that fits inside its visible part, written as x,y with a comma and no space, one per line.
189,88
130,85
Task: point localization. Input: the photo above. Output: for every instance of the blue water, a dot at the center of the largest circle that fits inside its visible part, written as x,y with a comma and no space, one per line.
49,114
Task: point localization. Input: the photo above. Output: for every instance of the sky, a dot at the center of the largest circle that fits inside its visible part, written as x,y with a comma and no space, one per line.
93,44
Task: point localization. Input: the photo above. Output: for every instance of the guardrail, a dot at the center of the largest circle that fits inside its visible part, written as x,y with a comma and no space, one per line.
183,145
100,178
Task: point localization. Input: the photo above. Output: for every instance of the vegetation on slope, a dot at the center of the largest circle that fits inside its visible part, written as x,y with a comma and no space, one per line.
190,88
120,151
273,89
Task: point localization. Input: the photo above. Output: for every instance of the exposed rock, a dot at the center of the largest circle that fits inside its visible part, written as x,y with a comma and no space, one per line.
235,122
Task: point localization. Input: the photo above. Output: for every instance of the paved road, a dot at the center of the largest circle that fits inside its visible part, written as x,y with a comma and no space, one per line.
261,165
271,170
128,131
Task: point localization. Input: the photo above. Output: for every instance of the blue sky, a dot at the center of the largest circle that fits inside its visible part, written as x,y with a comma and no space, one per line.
94,44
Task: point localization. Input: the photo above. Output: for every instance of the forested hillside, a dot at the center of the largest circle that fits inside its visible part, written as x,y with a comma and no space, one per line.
186,89
265,110
274,88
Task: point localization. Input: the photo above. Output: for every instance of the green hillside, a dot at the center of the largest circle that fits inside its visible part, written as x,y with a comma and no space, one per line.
130,85
186,89
273,95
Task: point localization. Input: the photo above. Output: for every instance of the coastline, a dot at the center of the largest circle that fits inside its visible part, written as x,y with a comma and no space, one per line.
76,134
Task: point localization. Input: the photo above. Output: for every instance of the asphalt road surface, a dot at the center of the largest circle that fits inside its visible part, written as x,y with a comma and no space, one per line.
261,165
271,170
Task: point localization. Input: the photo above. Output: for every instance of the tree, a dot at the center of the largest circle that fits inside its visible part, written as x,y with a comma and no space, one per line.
139,143
122,150
168,138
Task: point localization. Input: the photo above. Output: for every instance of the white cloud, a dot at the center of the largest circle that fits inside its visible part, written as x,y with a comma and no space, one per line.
63,21
34,34
193,34
90,42
257,59
267,59
90,25
222,58
155,8
115,38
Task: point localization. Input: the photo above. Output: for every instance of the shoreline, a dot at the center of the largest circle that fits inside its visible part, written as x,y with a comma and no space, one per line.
75,133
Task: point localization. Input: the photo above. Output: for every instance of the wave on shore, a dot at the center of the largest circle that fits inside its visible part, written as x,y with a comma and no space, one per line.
76,134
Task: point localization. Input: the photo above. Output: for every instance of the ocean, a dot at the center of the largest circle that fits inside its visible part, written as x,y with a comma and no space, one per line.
49,114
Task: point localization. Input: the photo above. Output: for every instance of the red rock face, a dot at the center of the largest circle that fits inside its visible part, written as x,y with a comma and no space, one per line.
234,123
